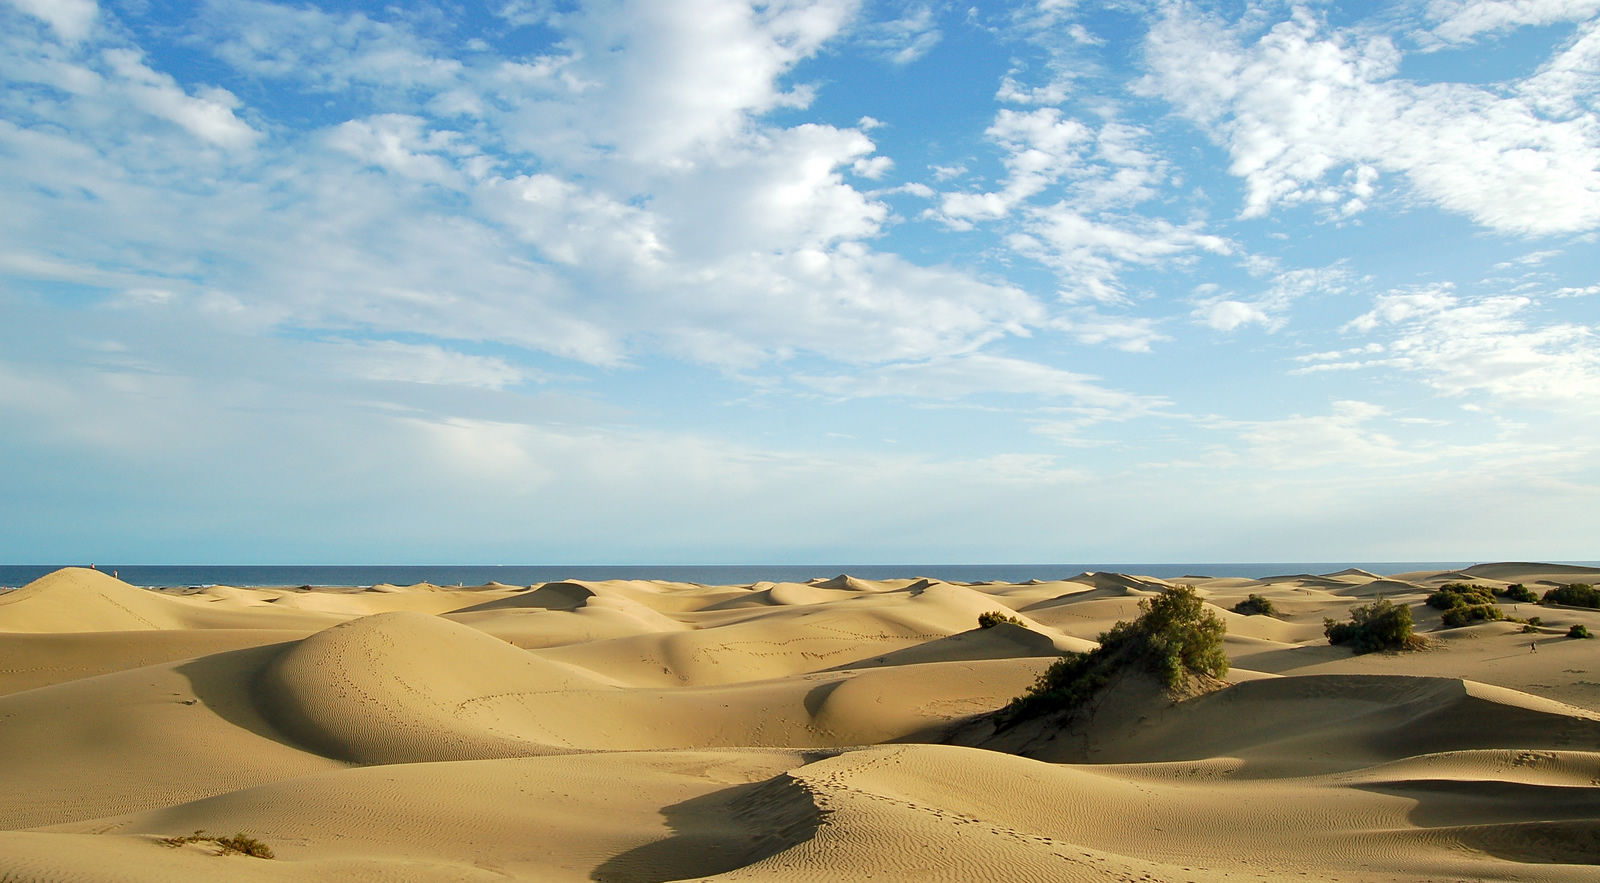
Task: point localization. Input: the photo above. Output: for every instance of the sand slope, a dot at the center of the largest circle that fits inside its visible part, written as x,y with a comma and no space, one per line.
835,729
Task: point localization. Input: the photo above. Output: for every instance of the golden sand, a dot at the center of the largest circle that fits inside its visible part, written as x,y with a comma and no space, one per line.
831,730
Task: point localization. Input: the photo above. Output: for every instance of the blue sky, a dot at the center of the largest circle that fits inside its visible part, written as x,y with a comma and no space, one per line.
710,281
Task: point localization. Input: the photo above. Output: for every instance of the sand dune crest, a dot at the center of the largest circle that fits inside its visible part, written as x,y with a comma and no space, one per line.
77,599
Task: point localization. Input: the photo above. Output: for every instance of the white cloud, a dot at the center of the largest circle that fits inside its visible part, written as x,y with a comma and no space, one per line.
1087,324
1227,312
846,303
1566,85
572,226
389,360
1040,146
655,77
1461,20
1344,437
327,52
960,377
1014,92
399,143
1228,315
72,20
905,39
1529,259
730,242
1340,355
1486,345
1091,176
1298,105
1088,253
208,115
872,168
783,190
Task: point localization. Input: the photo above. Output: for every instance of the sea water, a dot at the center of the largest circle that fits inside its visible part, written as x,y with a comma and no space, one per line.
163,575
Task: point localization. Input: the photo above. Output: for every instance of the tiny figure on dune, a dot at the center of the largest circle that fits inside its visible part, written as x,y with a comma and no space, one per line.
1533,646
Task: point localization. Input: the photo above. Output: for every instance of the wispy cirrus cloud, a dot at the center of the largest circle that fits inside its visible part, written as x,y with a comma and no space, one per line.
904,39
1228,310
1489,346
1461,20
1310,115
960,377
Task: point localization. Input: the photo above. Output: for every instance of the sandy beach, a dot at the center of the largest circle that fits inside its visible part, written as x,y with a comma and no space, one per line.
836,729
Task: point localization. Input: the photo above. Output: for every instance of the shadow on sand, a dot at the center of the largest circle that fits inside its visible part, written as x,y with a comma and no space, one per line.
721,832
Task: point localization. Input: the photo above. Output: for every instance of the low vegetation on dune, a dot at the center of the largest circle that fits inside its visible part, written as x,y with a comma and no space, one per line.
1575,595
1255,605
992,618
1452,595
241,843
1579,631
1174,638
1518,593
1465,604
1381,625
1456,617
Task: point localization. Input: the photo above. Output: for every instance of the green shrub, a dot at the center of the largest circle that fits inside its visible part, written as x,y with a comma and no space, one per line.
1535,621
1173,638
1575,595
241,843
1452,595
1579,631
993,618
1381,625
1255,605
1518,593
1456,617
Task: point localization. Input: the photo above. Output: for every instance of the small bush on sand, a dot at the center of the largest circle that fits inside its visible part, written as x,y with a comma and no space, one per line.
1173,638
1457,617
1381,625
1518,593
240,843
1451,595
993,618
1575,595
1579,631
1255,605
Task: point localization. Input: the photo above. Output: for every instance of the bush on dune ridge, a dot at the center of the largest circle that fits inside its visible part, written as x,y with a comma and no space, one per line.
1255,605
1456,617
990,619
1453,595
1519,593
1575,595
1465,604
1174,638
1381,625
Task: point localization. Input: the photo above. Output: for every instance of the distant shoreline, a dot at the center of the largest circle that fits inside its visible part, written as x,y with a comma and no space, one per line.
14,575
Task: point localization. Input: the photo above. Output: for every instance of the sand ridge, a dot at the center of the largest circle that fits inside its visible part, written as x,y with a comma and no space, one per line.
633,730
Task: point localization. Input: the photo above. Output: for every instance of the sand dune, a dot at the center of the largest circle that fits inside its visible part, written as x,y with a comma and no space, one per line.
833,729
80,600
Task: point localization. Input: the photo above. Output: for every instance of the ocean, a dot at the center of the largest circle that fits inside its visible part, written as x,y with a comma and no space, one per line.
165,575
